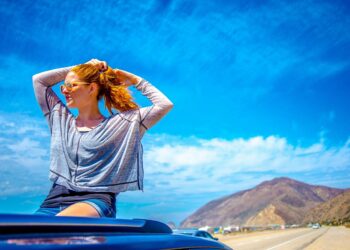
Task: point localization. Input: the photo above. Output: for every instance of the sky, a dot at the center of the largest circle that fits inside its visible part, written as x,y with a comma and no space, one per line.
260,90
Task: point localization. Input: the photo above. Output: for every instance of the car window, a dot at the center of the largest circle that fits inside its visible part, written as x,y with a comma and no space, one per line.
200,234
208,236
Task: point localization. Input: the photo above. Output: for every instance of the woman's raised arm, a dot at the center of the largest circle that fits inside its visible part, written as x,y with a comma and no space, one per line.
42,83
161,104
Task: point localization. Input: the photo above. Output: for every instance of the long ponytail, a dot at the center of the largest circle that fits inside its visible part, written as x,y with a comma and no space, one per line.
116,95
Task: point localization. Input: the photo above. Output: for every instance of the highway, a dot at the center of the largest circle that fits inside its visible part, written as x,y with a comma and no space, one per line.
327,238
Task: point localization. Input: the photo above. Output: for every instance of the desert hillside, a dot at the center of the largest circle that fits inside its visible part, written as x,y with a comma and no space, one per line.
278,201
335,209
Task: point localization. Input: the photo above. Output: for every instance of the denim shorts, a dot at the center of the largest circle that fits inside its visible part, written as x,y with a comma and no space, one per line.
102,208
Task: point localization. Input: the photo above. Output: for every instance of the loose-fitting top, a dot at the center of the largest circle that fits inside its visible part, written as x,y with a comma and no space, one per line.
107,158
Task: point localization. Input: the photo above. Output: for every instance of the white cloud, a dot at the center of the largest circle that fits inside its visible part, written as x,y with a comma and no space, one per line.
210,163
24,140
24,154
29,153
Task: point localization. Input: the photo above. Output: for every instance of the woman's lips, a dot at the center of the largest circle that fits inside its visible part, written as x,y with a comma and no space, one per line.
68,98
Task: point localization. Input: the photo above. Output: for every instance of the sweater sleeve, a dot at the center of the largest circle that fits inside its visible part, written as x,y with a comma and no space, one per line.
42,84
161,104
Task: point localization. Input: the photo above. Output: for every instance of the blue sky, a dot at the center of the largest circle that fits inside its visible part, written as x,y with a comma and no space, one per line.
260,91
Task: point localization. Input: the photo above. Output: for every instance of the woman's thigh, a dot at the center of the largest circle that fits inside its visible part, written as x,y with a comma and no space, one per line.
89,208
80,209
103,208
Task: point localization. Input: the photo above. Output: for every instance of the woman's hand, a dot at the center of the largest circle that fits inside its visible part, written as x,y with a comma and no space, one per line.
100,65
126,78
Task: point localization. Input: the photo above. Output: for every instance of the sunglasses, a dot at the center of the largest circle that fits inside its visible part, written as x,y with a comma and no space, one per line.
69,86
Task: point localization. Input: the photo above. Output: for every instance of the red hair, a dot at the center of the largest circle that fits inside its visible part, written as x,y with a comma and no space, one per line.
116,95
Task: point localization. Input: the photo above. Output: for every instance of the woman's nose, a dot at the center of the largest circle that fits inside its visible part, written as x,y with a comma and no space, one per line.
64,89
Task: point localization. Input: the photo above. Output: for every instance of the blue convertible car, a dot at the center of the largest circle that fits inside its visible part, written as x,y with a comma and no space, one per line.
46,232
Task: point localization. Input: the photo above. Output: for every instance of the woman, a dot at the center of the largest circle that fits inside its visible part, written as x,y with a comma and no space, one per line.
93,157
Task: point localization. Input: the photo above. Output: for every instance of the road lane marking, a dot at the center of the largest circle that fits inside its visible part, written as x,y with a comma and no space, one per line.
313,240
286,242
247,241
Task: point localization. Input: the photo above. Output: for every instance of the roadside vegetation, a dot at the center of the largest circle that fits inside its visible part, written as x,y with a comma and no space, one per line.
337,222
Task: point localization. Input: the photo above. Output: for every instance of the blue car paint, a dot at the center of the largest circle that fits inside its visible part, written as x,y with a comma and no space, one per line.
46,232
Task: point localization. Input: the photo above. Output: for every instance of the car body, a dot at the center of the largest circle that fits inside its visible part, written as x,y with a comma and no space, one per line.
195,232
316,226
57,232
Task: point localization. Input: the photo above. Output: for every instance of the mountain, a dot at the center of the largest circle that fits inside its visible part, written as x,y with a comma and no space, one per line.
335,209
278,201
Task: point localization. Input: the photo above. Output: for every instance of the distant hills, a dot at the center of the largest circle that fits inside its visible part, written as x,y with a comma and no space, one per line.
333,210
278,201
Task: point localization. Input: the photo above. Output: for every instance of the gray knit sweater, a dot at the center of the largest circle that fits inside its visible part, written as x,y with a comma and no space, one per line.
107,158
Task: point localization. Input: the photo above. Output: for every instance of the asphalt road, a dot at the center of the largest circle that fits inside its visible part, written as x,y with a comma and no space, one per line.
330,238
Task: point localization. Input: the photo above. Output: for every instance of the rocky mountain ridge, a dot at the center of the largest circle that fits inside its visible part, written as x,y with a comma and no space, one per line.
278,201
336,209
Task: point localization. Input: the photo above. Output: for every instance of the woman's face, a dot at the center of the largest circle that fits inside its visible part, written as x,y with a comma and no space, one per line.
80,93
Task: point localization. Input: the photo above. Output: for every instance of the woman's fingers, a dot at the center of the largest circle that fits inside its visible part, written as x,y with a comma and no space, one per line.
104,65
100,65
125,77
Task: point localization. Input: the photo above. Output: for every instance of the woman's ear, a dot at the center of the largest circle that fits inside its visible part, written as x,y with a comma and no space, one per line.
93,88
